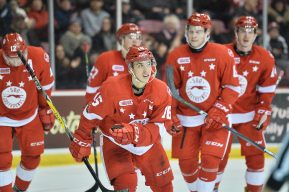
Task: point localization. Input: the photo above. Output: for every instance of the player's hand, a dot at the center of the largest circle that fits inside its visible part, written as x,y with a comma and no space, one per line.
176,127
217,116
81,144
125,133
262,117
47,118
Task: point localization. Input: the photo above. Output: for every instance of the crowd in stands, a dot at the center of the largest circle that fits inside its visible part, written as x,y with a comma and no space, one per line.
93,22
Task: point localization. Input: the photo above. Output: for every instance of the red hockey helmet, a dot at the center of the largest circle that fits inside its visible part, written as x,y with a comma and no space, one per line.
246,22
200,19
12,43
126,29
138,53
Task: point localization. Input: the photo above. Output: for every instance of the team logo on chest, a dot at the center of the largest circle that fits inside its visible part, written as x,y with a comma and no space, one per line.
198,89
13,97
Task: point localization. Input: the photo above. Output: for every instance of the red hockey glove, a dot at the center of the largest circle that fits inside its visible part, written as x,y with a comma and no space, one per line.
217,116
125,133
262,117
175,128
47,118
81,144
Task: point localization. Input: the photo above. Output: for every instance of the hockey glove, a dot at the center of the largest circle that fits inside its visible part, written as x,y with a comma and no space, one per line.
125,133
262,117
175,128
217,116
81,144
47,118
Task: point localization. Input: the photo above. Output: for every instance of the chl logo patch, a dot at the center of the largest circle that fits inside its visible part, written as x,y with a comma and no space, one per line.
4,71
117,67
184,60
13,97
127,102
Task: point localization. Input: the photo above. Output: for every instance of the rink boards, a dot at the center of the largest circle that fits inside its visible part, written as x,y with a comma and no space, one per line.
71,103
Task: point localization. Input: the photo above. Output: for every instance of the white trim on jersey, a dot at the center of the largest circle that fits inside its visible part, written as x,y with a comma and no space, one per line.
192,121
234,88
49,86
91,89
5,121
236,118
268,89
91,116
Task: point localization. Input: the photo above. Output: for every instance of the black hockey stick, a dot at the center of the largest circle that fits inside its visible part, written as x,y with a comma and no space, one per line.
59,118
171,84
85,47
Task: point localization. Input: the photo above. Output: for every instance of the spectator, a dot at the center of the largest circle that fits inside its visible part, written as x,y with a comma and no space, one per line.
39,14
5,17
93,17
129,15
63,13
105,40
62,64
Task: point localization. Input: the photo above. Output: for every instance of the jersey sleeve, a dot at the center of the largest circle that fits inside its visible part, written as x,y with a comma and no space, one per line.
97,76
267,82
229,82
161,117
46,77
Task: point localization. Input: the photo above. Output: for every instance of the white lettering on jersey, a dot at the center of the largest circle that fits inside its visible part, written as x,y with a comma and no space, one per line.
230,52
198,89
46,57
209,59
254,62
97,99
117,67
93,73
13,97
167,113
4,70
237,60
127,102
235,74
184,60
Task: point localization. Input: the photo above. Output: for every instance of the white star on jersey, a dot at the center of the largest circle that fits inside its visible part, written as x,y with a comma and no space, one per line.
115,73
122,110
203,73
150,107
1,77
8,83
190,73
21,84
144,114
131,116
212,66
245,73
182,68
255,68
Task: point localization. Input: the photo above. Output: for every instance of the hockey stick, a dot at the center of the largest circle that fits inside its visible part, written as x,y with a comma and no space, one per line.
171,84
59,118
85,47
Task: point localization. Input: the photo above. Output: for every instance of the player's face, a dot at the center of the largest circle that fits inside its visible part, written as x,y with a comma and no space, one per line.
197,35
142,71
245,38
13,61
131,39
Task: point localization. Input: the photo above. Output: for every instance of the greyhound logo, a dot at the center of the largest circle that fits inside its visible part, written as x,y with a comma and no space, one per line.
243,84
13,97
198,89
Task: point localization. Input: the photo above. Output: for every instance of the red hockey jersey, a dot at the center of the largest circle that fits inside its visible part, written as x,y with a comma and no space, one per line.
19,96
115,103
110,63
257,75
202,78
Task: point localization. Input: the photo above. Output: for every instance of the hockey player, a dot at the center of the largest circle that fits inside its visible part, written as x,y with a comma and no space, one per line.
112,63
205,76
23,111
132,111
257,75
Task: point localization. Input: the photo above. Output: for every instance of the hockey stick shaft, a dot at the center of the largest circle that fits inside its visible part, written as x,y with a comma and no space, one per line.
170,81
58,117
